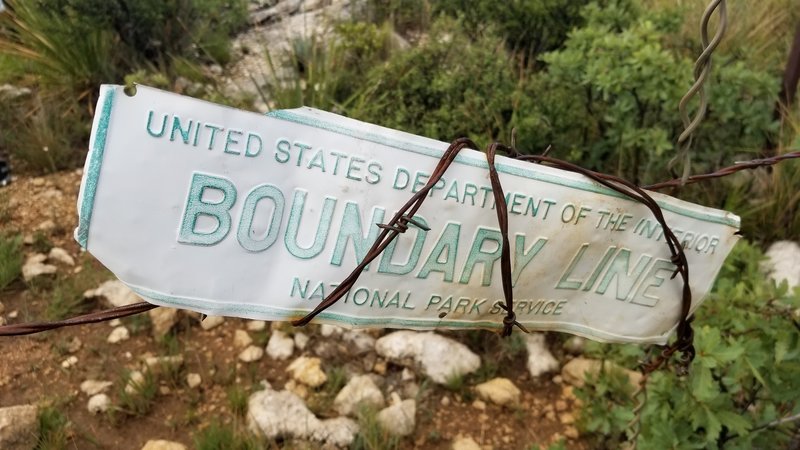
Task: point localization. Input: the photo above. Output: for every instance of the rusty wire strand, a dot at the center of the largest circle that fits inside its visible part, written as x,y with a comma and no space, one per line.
95,317
702,70
401,224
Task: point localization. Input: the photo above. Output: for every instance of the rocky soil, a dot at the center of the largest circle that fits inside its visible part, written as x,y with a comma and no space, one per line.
167,374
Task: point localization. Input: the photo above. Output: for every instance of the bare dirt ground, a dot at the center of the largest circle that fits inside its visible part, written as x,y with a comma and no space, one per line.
33,370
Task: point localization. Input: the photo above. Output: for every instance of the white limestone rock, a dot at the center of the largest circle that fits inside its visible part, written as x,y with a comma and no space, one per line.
575,371
283,414
163,319
193,380
115,292
500,391
465,443
280,346
360,390
301,340
136,380
160,444
94,387
783,263
61,256
440,358
251,354
19,427
34,267
118,335
99,403
358,341
308,370
256,325
540,360
399,419
241,339
211,322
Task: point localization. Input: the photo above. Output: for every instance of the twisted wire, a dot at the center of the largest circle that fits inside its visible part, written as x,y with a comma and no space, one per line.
702,70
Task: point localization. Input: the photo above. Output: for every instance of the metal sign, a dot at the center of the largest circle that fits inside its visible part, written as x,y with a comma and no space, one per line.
227,212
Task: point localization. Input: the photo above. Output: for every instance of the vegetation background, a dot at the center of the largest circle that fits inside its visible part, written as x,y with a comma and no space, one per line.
599,81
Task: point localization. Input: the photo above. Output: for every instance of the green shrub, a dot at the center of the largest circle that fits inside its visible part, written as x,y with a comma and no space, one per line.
447,87
10,259
529,26
219,436
608,99
742,381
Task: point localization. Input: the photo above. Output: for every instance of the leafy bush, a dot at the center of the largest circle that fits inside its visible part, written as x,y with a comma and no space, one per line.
448,86
743,380
609,97
529,26
10,259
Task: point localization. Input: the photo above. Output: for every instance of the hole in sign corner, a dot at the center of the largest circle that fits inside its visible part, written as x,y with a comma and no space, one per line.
130,90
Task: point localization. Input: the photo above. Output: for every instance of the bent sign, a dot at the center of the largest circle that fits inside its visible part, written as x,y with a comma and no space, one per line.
226,212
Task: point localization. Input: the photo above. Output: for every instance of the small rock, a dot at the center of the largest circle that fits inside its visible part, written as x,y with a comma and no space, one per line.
465,443
163,319
160,444
380,367
193,380
46,226
74,345
561,405
10,92
59,255
479,405
115,292
360,390
115,323
19,427
298,389
445,401
301,340
99,403
566,419
783,263
571,433
135,382
307,370
211,322
359,342
439,357
241,339
13,314
540,360
407,374
256,325
283,414
69,362
280,346
118,335
156,364
94,387
575,371
575,345
251,354
500,391
327,330
399,419
35,267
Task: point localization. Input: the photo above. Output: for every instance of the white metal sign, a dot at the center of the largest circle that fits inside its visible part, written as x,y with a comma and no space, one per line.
227,212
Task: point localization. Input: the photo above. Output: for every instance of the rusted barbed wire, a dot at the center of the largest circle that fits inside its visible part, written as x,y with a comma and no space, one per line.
400,224
95,317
